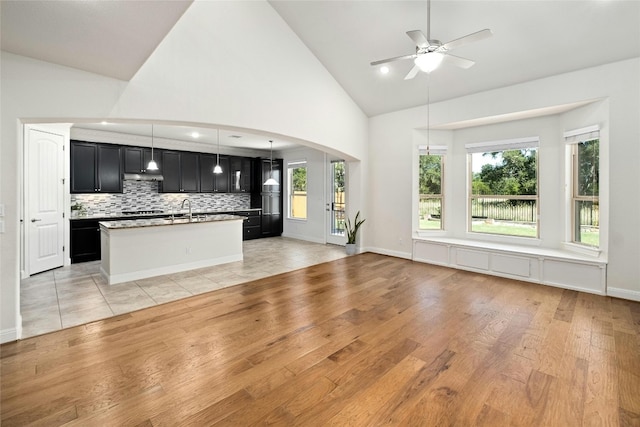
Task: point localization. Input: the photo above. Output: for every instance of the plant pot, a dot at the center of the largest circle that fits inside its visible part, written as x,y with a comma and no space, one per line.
351,248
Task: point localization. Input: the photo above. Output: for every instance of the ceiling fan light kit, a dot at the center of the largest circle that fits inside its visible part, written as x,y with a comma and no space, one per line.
428,63
431,53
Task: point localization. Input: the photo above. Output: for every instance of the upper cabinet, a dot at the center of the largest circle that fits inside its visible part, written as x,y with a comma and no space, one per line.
209,181
95,168
136,159
240,174
99,168
181,172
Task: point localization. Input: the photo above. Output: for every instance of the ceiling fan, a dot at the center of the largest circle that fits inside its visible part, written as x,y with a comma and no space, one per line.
430,53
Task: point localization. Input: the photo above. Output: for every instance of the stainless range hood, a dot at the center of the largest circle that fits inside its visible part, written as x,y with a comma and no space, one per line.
143,177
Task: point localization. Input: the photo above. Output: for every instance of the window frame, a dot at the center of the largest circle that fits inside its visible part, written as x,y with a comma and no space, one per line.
440,151
291,165
502,146
573,139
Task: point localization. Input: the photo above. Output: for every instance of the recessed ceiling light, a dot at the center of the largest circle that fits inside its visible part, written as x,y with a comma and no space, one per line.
235,136
104,122
195,134
384,69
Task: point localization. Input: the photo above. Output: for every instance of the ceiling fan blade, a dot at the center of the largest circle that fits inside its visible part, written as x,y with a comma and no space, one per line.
458,61
418,38
412,73
473,37
397,58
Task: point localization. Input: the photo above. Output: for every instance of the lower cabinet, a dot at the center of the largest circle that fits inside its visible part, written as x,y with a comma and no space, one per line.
251,227
85,240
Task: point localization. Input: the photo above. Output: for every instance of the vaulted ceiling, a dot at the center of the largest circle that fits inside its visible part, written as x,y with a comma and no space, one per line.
531,39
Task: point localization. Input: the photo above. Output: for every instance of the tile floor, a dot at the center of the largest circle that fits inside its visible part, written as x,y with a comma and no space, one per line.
77,294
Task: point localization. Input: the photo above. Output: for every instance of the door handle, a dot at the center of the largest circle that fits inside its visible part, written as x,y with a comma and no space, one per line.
34,220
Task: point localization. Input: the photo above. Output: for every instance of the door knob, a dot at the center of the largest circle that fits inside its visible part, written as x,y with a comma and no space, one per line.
34,220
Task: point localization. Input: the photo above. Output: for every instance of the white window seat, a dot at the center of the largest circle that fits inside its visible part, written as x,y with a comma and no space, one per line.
554,267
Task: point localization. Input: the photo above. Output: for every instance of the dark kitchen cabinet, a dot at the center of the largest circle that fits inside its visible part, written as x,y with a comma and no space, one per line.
95,168
181,172
209,181
251,226
85,240
136,159
269,199
240,174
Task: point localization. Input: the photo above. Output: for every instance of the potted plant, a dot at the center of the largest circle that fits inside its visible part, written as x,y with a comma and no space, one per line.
352,233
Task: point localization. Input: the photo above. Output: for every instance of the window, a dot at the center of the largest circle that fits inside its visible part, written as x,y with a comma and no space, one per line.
585,172
297,178
503,189
430,184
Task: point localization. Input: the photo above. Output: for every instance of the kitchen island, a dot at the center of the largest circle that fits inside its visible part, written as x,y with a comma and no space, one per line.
141,248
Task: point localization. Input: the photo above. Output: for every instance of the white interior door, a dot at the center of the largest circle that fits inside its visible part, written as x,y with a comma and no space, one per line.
44,220
336,203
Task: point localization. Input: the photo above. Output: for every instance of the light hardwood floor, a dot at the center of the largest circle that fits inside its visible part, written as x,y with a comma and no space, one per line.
363,340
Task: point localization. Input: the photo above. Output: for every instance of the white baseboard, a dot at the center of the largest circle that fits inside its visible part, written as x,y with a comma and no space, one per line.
623,293
381,251
12,334
305,238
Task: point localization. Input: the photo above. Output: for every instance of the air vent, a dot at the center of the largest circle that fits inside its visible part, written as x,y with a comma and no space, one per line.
235,136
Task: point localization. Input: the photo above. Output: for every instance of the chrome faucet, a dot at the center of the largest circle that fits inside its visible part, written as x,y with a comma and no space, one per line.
182,207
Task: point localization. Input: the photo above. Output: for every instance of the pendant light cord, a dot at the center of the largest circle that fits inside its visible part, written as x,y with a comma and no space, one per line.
271,160
428,115
151,141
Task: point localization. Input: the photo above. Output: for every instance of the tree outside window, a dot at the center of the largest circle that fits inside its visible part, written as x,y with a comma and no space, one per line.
297,190
430,191
504,190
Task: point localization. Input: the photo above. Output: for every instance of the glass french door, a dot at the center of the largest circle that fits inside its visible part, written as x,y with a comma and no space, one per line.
336,203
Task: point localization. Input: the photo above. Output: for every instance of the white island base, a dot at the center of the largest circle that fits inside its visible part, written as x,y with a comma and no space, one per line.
132,252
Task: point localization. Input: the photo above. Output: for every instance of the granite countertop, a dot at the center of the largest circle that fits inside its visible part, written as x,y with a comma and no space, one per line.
154,222
119,215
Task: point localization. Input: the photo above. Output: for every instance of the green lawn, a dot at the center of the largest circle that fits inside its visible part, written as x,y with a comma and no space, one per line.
430,224
591,238
509,230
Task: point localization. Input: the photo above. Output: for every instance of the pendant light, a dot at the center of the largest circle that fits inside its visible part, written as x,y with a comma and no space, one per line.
152,166
271,181
217,169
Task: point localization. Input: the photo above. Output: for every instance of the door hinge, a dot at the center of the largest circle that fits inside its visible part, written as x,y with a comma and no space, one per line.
62,214
62,248
62,181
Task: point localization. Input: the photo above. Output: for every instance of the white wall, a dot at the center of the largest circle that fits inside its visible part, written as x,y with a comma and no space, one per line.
392,141
228,63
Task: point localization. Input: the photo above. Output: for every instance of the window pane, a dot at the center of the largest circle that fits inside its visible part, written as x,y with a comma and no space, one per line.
504,216
430,213
587,222
498,175
430,174
298,192
510,172
588,168
430,192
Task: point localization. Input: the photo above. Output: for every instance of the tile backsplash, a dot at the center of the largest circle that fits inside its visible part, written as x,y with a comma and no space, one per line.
138,195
